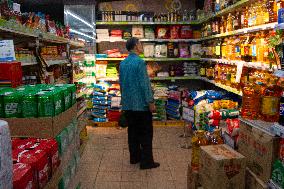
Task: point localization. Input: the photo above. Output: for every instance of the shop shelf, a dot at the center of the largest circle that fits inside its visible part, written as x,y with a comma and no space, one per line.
76,44
81,111
174,78
27,32
154,40
243,31
152,59
225,11
261,125
257,65
277,129
56,62
28,63
147,23
227,88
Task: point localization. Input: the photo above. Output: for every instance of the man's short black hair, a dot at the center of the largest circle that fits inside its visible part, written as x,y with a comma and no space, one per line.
131,43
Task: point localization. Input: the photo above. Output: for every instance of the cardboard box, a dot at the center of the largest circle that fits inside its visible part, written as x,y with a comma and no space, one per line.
253,182
221,167
260,149
44,127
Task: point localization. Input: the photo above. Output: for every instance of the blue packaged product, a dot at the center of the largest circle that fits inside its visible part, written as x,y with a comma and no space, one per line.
213,95
281,16
99,107
99,98
97,93
99,119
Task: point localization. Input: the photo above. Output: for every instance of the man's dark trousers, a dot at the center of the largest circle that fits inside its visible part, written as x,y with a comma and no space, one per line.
140,136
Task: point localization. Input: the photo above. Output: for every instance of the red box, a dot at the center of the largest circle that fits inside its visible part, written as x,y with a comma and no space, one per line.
11,73
38,160
51,148
23,176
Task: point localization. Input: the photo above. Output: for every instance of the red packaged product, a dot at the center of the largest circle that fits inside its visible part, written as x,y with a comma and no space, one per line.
38,160
174,32
23,176
162,32
51,148
215,114
23,143
186,32
113,115
233,126
214,122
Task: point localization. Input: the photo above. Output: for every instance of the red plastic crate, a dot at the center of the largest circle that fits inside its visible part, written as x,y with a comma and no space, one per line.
11,72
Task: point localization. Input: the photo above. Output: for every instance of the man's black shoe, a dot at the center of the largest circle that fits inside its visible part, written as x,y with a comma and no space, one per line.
151,166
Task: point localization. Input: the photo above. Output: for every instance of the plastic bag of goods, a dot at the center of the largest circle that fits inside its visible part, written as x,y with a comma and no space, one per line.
5,156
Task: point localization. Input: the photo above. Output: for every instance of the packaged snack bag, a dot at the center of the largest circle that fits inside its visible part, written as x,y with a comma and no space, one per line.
174,32
186,32
162,32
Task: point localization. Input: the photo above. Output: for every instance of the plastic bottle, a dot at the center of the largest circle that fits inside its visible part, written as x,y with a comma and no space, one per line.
237,21
217,137
281,110
270,102
229,27
272,10
224,49
250,101
198,140
254,47
247,50
244,18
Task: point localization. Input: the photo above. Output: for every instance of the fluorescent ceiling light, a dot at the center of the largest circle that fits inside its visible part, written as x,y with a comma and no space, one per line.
80,33
78,18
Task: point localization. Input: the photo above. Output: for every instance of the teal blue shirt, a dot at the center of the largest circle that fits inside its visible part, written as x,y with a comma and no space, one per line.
136,92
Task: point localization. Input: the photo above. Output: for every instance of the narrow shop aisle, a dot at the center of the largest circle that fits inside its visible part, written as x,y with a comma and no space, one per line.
105,162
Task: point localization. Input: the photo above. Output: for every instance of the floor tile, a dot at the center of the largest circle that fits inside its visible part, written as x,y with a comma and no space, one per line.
133,185
133,176
107,185
104,176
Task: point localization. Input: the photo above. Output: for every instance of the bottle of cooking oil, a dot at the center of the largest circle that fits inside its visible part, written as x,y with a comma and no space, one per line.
251,100
254,47
233,77
244,18
217,137
270,99
247,49
229,23
199,139
224,49
272,10
237,48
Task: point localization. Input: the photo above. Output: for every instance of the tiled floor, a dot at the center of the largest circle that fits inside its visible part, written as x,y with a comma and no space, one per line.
105,162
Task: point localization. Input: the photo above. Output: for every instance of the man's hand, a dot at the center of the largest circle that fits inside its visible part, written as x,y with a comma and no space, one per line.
152,107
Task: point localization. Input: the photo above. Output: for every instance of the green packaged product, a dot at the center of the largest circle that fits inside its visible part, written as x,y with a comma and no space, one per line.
45,104
12,104
229,114
278,173
63,141
59,101
72,90
29,104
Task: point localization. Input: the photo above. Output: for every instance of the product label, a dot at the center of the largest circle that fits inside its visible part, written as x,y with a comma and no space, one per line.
246,50
11,108
237,49
254,50
281,112
218,50
269,105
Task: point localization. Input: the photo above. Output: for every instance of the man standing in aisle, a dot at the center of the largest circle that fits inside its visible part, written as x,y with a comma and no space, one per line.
138,104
